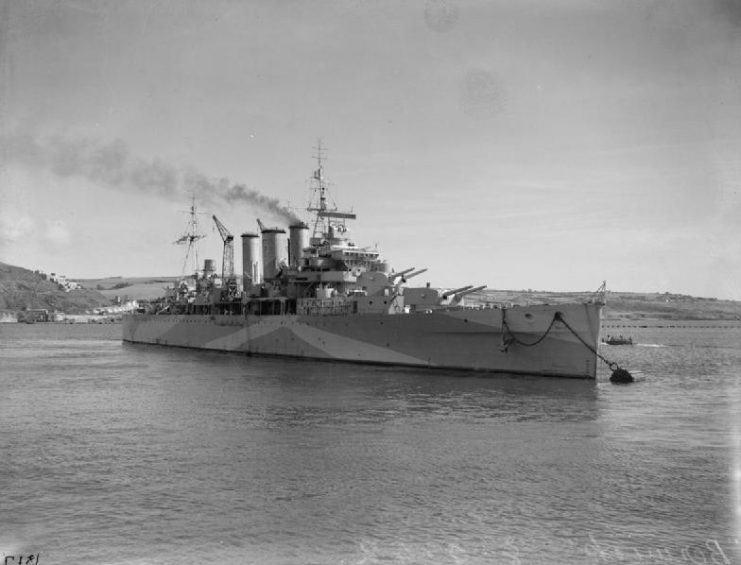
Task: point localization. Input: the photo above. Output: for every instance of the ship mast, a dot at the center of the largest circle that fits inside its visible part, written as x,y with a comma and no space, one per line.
191,235
318,204
318,189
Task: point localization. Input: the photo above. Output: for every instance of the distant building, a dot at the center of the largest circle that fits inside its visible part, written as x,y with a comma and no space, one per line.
34,315
61,280
7,317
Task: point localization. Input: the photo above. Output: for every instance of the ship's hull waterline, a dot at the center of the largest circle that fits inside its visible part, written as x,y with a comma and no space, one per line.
487,340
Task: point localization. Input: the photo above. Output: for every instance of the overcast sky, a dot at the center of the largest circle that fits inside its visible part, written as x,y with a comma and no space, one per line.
545,144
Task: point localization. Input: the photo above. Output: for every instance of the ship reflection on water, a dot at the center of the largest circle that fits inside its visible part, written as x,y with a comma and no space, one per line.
315,393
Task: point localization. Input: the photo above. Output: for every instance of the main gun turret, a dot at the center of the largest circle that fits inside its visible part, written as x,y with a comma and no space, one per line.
393,276
456,291
458,296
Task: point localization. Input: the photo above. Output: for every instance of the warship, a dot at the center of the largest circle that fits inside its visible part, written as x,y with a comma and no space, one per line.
312,293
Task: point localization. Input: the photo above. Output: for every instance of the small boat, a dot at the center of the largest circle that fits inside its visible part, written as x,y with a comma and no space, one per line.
619,340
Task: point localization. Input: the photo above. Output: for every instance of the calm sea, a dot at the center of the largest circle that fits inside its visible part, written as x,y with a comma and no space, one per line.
113,453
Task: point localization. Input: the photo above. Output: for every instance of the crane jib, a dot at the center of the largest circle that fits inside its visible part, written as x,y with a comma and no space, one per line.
333,214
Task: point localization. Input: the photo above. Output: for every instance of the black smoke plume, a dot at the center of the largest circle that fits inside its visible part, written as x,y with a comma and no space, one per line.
112,164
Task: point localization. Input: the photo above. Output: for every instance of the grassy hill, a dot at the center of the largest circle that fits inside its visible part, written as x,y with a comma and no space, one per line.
620,305
130,288
22,289
630,305
668,306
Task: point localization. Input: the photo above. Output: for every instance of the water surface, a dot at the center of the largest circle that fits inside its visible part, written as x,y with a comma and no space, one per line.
114,453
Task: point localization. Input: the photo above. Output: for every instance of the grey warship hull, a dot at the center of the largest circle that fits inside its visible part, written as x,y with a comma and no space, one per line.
314,294
547,340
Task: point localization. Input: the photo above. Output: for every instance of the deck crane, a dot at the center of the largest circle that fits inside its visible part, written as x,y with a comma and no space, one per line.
228,280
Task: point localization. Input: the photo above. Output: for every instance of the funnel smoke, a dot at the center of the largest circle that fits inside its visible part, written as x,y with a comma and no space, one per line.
113,165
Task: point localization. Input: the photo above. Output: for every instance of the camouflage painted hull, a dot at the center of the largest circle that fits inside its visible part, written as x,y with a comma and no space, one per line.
467,339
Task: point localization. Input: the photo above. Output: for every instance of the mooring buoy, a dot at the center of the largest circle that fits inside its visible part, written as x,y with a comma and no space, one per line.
620,375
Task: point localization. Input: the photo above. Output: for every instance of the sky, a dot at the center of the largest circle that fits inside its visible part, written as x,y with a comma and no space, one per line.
543,144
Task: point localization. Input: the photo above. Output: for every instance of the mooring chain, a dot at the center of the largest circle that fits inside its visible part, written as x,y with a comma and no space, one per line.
610,364
518,341
619,374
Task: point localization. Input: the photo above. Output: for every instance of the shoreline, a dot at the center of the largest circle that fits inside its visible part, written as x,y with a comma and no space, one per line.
609,323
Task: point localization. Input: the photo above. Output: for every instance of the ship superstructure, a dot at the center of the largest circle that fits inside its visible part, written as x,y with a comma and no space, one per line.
311,292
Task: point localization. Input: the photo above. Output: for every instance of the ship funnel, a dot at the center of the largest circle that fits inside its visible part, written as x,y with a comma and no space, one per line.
208,268
274,251
298,242
251,270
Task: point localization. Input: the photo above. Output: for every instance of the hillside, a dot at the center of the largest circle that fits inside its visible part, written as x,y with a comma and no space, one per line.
620,305
22,289
130,288
630,305
668,306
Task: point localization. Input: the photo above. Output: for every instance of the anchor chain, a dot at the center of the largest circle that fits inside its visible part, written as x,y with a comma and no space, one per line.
514,339
619,375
